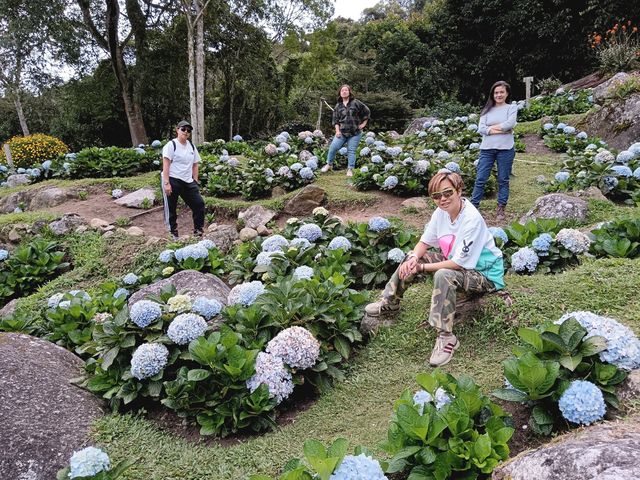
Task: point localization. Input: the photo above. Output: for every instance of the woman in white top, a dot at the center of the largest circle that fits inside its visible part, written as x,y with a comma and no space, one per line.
497,121
180,160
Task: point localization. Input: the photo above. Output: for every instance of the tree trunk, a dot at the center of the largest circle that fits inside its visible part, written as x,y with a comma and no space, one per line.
200,69
23,121
193,100
230,94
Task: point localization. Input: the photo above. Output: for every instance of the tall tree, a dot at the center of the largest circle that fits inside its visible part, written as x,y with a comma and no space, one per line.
104,25
28,45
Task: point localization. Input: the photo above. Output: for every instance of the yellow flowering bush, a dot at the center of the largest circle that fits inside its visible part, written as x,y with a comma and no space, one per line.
34,149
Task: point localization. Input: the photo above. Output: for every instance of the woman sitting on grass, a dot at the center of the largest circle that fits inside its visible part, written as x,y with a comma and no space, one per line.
468,261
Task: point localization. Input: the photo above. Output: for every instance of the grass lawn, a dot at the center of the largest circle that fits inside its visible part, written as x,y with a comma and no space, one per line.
359,408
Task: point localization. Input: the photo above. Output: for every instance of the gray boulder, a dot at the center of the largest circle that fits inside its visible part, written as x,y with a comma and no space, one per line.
416,124
303,202
256,215
618,121
44,416
605,89
17,179
137,198
190,282
9,309
68,223
559,206
247,234
223,236
9,203
48,197
607,451
591,192
419,203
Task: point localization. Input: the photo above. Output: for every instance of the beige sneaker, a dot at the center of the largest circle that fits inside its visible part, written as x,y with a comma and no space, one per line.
382,307
349,172
326,168
443,350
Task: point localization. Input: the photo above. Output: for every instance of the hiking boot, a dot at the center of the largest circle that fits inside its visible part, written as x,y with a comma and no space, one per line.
326,168
500,213
174,236
382,307
198,233
349,172
443,350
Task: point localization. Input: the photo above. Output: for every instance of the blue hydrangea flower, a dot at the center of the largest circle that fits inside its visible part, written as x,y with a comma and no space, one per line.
306,173
264,258
379,224
310,231
343,151
145,312
54,300
303,273
388,167
312,163
622,170
296,346
360,467
4,254
369,140
561,126
568,130
548,126
275,243
207,243
234,162
562,177
498,232
237,138
582,403
165,256
140,151
474,146
376,159
46,165
121,292
591,146
195,251
605,156
582,136
300,243
130,279
308,140
542,243
81,294
20,170
525,260
148,360
156,144
282,137
625,157
340,242
35,172
426,125
88,462
472,127
395,255
636,173
365,151
394,151
635,149
364,169
610,182
421,167
573,240
453,167
390,182
271,371
296,166
245,293
623,347
186,327
206,307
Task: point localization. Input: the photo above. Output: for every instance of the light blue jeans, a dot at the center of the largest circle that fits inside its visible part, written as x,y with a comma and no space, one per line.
504,159
352,144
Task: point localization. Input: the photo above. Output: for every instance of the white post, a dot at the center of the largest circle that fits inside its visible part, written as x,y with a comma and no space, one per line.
7,153
528,81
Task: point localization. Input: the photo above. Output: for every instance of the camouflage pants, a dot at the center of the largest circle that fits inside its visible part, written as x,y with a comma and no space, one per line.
446,283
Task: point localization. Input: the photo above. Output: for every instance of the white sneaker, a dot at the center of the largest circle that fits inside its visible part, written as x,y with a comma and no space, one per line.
326,168
349,172
443,350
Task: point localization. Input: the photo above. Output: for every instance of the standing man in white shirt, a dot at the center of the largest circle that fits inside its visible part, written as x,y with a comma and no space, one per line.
180,160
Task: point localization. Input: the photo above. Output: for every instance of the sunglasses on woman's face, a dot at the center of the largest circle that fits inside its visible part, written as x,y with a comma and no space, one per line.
446,193
185,129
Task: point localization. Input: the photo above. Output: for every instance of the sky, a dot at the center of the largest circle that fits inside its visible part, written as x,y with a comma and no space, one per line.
352,8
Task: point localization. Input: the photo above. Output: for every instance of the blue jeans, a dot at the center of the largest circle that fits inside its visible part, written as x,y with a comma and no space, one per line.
504,159
352,144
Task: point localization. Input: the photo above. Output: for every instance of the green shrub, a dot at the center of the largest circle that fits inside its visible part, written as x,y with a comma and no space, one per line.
627,88
618,49
548,85
29,266
617,238
112,162
34,149
556,104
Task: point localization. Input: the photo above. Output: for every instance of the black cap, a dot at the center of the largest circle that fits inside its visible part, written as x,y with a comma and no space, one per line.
184,123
